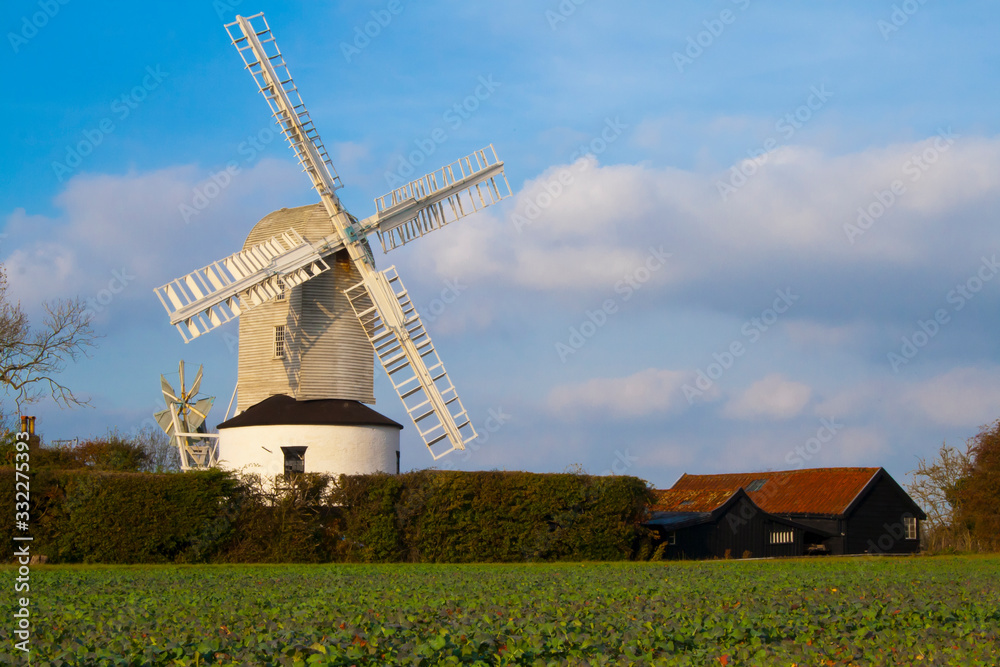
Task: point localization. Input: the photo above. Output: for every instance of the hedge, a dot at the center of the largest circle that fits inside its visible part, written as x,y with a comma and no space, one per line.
436,516
87,516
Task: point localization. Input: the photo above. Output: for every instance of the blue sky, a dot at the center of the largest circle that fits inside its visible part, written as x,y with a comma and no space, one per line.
743,235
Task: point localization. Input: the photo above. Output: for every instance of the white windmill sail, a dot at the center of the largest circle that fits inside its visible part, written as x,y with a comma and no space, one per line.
213,295
184,421
440,197
287,107
438,414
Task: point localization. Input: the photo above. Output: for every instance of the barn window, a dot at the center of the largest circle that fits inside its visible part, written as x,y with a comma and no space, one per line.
295,460
671,538
782,537
279,341
281,290
911,527
756,485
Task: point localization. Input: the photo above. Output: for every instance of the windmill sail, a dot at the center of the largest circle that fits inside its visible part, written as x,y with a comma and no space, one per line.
215,294
184,421
411,362
439,198
253,39
211,296
378,305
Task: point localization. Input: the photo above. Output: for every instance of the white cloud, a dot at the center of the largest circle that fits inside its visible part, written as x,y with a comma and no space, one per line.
131,225
814,334
792,212
856,400
652,391
961,397
774,397
861,446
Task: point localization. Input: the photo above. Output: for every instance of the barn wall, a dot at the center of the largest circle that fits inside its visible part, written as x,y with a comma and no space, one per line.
740,529
835,544
876,525
692,543
794,548
743,528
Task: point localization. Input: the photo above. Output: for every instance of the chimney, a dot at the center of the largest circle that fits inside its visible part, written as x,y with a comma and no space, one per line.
28,425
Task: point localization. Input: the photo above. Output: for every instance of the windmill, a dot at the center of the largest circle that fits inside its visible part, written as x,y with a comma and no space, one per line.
287,260
184,422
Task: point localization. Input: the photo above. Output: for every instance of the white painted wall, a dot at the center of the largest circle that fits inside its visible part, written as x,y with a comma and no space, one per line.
348,450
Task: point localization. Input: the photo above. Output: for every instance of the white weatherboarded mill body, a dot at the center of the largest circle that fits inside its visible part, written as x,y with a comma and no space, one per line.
313,307
324,351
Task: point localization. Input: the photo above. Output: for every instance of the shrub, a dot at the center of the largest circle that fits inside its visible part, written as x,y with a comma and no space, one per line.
437,516
88,515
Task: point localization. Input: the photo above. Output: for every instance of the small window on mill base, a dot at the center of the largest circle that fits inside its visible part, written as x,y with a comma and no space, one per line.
295,460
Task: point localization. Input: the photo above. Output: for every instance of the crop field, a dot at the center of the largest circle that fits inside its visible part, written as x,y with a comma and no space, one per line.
832,611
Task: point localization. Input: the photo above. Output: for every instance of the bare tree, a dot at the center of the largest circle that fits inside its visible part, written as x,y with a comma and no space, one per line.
30,359
935,487
161,448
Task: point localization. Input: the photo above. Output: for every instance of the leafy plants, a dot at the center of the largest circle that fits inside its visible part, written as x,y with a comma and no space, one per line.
859,611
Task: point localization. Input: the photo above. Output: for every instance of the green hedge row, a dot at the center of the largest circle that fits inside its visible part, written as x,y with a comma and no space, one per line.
86,516
83,516
433,516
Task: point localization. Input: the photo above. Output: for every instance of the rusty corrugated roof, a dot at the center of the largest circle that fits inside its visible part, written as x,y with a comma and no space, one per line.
690,500
810,491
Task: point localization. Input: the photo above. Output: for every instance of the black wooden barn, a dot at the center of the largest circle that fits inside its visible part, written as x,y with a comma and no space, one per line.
786,513
724,524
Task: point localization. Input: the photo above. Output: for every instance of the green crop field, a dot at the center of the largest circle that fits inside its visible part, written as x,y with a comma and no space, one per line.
864,611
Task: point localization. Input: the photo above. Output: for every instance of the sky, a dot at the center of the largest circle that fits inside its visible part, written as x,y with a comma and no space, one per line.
742,236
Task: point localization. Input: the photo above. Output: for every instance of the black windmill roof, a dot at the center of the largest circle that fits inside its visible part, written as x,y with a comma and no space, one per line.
281,410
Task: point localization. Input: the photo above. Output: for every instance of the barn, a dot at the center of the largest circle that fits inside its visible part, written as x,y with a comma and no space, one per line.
724,523
837,510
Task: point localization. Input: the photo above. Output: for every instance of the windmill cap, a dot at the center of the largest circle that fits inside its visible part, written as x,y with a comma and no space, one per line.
285,410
